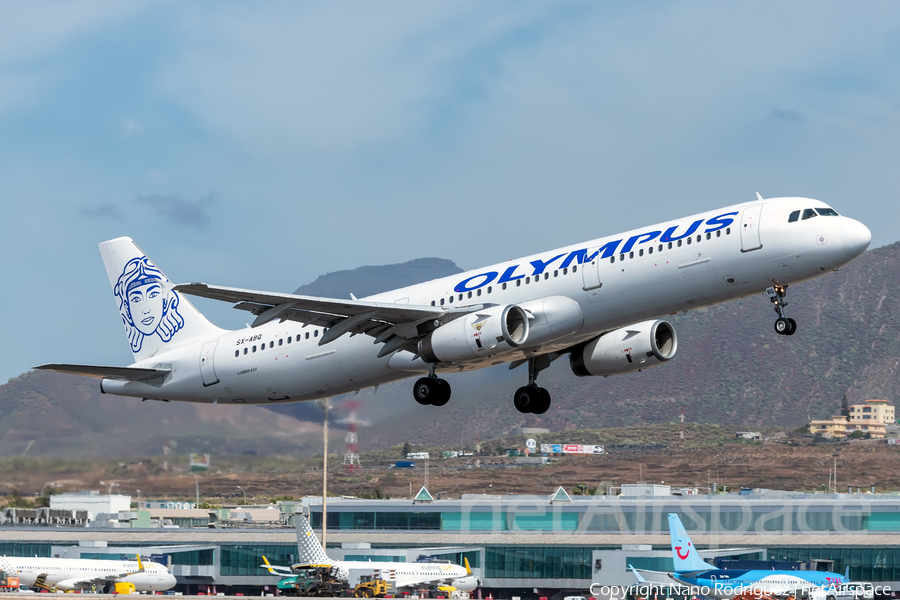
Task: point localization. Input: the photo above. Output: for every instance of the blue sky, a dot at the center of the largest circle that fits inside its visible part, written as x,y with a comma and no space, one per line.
260,145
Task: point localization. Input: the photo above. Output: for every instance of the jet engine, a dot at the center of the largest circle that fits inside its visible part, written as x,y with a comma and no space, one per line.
625,350
482,333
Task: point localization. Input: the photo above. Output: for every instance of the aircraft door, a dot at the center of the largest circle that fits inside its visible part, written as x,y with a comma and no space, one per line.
750,228
207,368
590,273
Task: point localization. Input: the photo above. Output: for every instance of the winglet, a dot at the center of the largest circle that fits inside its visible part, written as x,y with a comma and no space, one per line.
758,197
468,568
268,565
140,564
636,574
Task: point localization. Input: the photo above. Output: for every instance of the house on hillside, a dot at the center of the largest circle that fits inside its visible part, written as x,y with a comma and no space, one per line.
870,418
833,427
875,410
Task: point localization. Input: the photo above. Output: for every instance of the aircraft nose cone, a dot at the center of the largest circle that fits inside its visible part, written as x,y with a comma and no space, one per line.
855,237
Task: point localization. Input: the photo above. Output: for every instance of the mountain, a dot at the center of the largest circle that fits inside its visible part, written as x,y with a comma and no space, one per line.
44,413
731,369
367,281
52,414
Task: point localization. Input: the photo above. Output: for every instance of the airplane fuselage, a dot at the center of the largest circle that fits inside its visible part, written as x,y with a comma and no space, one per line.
726,583
591,288
75,573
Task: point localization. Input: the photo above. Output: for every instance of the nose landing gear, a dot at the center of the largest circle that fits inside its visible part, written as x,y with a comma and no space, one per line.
783,325
531,398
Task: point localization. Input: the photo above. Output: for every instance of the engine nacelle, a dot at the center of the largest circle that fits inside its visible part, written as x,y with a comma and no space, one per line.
483,333
639,346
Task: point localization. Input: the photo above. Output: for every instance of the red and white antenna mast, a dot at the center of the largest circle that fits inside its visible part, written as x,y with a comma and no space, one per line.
351,447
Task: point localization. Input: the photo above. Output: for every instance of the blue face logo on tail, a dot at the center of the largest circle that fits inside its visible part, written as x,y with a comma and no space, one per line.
145,305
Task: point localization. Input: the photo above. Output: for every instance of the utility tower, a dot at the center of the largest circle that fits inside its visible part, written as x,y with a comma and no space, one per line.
351,448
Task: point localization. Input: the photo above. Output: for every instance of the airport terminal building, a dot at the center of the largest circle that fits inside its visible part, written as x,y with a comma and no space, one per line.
528,546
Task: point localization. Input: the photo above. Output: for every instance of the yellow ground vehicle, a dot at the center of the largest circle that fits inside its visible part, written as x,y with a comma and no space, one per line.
123,587
370,587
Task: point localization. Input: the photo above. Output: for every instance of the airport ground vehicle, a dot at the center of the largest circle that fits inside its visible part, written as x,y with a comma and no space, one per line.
8,583
371,587
312,580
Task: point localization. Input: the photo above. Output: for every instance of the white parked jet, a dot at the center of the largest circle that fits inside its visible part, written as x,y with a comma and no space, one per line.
601,302
86,574
401,574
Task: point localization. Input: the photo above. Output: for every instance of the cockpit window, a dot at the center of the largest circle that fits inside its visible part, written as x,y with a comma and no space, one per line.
827,212
809,213
795,216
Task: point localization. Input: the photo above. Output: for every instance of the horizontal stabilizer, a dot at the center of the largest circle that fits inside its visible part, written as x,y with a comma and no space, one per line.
126,373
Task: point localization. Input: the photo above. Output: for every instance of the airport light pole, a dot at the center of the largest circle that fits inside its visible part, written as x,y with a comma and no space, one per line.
245,494
325,403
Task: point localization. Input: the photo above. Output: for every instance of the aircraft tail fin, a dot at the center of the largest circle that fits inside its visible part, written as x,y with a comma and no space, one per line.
684,554
309,549
154,315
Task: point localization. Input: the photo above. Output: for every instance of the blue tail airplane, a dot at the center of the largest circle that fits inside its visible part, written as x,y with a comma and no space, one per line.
724,584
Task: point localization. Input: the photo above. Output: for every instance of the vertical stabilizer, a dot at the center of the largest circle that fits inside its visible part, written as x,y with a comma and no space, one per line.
685,556
309,549
155,317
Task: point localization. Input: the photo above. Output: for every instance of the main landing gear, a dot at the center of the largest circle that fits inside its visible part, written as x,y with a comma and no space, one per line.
783,325
531,398
432,390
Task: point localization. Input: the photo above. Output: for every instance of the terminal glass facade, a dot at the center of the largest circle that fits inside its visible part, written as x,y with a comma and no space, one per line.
866,564
378,520
613,517
528,562
22,549
194,557
246,559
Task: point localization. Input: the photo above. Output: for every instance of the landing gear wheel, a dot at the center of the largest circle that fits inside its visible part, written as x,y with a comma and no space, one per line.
793,327
444,396
782,326
526,399
543,403
431,390
426,390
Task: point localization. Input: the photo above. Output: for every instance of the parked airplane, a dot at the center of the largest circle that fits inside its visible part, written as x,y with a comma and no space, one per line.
601,302
691,570
402,574
86,574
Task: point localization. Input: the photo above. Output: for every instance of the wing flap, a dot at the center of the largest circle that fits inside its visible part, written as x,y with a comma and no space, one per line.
126,373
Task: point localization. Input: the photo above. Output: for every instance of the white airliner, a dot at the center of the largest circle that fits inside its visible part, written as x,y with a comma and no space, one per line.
402,574
85,574
602,302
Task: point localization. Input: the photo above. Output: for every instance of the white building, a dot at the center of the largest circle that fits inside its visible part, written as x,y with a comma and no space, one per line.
91,501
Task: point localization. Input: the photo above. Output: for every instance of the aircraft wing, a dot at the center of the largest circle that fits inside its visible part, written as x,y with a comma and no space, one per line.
395,324
126,373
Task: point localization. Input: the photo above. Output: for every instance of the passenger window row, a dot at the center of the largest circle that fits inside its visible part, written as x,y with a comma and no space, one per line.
490,288
809,213
669,245
262,346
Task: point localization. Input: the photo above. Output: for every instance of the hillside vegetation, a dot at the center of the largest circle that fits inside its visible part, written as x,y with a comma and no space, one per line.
731,370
